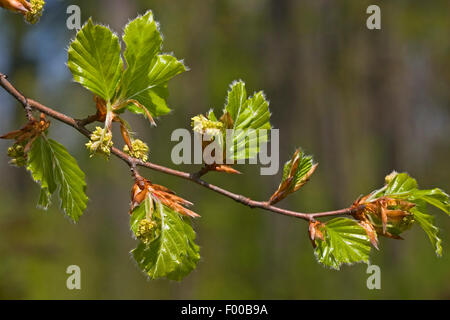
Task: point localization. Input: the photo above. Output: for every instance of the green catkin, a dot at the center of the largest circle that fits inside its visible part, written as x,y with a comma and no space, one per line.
100,142
203,125
140,150
146,231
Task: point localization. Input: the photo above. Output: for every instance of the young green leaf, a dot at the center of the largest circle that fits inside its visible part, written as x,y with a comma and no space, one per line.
94,60
40,164
401,203
237,99
173,254
296,173
247,118
345,242
148,72
402,186
426,222
143,42
53,167
436,197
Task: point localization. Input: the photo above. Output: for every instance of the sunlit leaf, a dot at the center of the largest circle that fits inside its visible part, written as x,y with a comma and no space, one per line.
40,164
402,186
143,42
404,189
173,254
346,242
54,168
148,71
250,120
426,222
94,60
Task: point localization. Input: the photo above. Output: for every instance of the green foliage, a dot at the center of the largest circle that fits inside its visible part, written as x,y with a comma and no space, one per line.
40,164
247,114
143,42
345,241
94,60
296,173
155,92
237,99
148,71
166,247
172,254
426,222
303,165
402,186
54,168
247,117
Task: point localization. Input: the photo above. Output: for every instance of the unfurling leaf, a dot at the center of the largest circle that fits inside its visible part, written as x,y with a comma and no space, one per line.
40,164
54,168
144,188
296,173
315,232
148,71
250,120
171,252
395,207
242,128
94,60
371,231
345,242
426,222
31,10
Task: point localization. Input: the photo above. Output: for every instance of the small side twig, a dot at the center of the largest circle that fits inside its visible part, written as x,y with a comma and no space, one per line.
87,120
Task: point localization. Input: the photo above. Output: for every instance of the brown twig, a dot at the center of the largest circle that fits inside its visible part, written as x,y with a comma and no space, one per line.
134,163
88,120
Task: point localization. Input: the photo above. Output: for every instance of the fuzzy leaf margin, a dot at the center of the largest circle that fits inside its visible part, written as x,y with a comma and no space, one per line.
94,60
345,242
296,173
250,120
52,166
402,186
173,254
148,71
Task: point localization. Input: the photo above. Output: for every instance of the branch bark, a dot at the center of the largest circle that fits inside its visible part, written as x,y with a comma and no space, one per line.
133,163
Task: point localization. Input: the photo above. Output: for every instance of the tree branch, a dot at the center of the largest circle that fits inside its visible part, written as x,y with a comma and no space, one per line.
79,125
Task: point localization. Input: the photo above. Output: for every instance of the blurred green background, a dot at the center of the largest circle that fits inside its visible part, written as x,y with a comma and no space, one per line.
363,102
